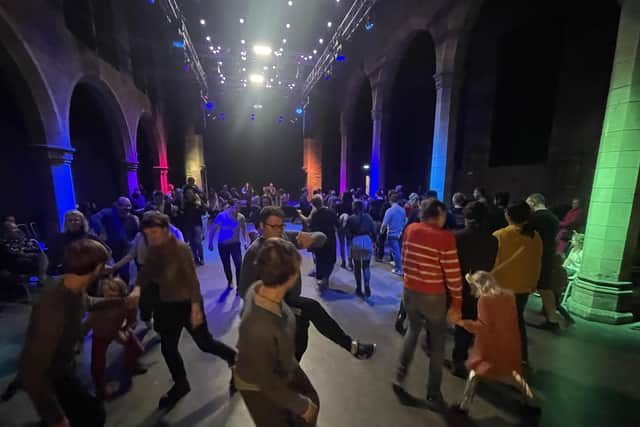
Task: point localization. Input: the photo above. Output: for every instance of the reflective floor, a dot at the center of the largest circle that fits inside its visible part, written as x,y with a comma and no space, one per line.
586,376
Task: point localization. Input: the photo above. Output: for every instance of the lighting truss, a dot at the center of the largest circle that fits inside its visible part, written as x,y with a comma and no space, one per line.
174,16
357,13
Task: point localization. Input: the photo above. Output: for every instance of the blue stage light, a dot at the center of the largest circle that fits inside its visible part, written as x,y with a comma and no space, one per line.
152,1
210,106
327,77
299,111
178,43
222,116
369,26
341,58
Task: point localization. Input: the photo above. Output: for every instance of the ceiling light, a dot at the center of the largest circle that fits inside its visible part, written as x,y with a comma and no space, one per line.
242,41
262,50
329,24
288,26
244,69
274,67
211,48
203,22
284,41
320,41
256,78
315,51
265,68
310,56
242,20
290,3
208,38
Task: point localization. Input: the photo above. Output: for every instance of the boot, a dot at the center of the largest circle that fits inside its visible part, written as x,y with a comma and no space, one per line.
173,396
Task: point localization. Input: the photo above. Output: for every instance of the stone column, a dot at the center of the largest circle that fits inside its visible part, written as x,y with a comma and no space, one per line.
161,178
602,291
344,152
444,133
59,160
312,161
378,161
132,176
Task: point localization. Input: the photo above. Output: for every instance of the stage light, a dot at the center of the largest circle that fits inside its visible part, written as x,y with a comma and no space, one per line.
288,26
222,116
320,41
211,48
241,20
257,106
203,22
299,111
315,51
262,50
310,57
290,3
242,41
329,24
341,58
274,67
178,43
244,69
210,106
256,78
369,24
208,38
152,1
284,41
366,167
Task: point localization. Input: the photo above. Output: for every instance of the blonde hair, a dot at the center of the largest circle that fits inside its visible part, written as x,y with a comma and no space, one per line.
67,218
484,284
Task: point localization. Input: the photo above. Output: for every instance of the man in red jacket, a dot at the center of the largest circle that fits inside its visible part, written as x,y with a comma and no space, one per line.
431,270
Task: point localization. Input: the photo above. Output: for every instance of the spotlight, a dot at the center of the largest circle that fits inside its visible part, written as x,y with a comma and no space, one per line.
241,20
366,167
290,3
288,26
320,41
242,41
315,51
341,58
262,50
178,43
299,111
203,22
210,106
329,24
368,25
284,41
256,78
208,38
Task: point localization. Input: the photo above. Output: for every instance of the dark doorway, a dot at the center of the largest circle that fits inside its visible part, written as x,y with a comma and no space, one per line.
98,166
410,139
360,138
147,158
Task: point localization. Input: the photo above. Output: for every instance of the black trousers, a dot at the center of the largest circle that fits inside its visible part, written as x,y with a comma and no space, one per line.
308,311
326,260
265,413
80,407
463,339
228,251
521,305
380,241
149,299
170,318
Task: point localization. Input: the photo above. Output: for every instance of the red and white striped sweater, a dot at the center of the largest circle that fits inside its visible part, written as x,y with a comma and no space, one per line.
430,262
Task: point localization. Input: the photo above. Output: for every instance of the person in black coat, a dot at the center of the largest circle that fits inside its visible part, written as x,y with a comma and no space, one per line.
324,220
477,250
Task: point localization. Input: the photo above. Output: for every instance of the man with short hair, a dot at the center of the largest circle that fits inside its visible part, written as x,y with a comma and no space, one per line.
395,218
306,309
547,225
477,250
117,227
455,219
431,271
171,267
46,370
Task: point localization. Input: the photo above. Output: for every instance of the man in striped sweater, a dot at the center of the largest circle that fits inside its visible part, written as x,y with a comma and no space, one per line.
431,271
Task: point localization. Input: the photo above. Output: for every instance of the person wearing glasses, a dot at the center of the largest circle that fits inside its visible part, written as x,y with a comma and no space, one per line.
117,227
307,310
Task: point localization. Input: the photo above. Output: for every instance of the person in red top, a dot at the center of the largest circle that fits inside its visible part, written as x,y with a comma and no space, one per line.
572,221
431,271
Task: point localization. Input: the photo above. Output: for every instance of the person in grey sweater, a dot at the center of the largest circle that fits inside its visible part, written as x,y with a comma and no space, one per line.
306,310
275,389
46,370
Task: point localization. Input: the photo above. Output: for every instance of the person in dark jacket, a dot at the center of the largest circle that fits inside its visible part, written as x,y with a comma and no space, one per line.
477,250
324,220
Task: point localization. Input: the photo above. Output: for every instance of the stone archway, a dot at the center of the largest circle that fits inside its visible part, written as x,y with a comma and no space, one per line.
411,110
147,150
29,128
100,137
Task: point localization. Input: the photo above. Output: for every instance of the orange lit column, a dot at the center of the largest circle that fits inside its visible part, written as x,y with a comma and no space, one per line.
312,152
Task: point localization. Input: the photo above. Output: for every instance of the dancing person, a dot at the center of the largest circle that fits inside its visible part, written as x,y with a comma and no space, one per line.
307,310
46,370
455,218
520,255
393,223
325,221
272,384
192,211
547,225
431,271
75,227
169,264
114,323
361,231
496,354
477,250
117,227
572,221
304,204
233,231
343,242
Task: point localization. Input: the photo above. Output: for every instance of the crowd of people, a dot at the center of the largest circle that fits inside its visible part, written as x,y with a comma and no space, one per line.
472,265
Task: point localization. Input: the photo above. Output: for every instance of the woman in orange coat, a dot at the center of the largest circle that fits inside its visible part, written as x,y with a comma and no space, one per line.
496,354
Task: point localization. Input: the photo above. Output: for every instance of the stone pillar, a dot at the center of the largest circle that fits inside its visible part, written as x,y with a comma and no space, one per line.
59,160
312,160
444,133
378,116
344,153
132,176
602,291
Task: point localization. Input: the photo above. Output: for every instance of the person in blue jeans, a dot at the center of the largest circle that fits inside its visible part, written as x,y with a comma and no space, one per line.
394,221
233,231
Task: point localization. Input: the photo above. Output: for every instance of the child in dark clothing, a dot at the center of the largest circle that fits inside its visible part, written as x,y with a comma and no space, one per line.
113,324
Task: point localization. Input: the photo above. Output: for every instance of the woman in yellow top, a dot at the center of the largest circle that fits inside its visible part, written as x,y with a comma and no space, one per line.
519,261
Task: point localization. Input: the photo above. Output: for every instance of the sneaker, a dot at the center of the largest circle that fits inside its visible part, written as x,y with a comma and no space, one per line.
436,402
362,351
397,272
173,396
